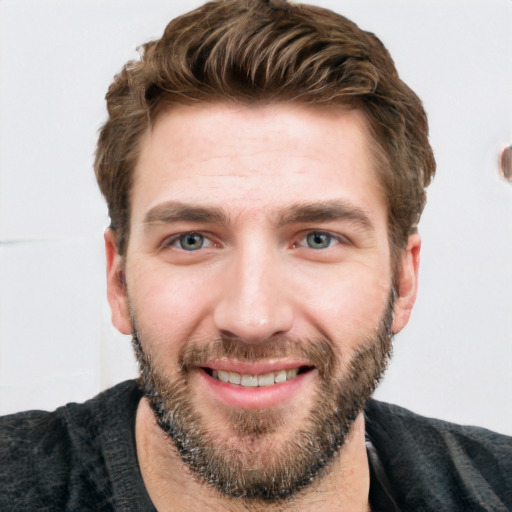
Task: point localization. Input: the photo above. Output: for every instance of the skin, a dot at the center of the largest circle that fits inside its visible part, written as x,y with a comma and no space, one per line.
256,278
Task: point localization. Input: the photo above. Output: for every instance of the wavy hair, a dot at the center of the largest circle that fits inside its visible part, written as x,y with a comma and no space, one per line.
258,52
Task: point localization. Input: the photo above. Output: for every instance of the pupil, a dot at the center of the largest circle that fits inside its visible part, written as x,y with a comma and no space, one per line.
318,240
191,242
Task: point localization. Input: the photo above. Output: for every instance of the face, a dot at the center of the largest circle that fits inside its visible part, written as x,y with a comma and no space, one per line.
257,280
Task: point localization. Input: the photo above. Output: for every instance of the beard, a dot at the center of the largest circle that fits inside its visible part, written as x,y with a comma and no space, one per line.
249,463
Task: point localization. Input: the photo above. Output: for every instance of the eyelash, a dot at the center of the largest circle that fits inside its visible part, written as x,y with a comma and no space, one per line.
178,238
334,239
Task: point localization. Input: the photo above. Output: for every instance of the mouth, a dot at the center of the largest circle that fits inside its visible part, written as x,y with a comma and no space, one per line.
256,386
248,380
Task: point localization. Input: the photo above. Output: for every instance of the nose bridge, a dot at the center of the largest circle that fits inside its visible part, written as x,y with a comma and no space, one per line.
254,304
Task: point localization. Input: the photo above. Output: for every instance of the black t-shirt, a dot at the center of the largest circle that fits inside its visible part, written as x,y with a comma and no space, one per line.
82,457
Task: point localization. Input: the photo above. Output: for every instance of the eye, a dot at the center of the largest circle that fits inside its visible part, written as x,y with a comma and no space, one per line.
191,241
318,240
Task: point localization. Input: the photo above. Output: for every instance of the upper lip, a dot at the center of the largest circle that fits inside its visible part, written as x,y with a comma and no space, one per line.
255,368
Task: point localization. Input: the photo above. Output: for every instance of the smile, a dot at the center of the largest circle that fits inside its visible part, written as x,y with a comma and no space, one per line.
256,385
253,381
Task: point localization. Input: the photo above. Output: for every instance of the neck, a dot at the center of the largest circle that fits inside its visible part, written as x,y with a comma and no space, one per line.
171,485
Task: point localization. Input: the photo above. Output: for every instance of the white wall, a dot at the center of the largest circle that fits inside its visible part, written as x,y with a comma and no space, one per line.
57,58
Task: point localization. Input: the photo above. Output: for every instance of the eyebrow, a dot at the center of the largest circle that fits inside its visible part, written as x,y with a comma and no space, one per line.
318,211
325,211
175,211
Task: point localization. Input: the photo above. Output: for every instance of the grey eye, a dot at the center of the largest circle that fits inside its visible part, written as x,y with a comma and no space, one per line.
191,241
318,240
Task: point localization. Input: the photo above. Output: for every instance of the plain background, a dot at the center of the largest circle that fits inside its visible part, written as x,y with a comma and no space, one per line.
57,58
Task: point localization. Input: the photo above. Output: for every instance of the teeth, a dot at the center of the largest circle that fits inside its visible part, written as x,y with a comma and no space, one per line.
266,380
223,376
252,381
235,378
290,374
281,376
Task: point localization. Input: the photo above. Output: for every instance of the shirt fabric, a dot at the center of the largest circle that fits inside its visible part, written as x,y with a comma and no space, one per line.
82,457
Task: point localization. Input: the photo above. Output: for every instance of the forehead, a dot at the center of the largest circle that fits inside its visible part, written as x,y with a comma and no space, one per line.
256,159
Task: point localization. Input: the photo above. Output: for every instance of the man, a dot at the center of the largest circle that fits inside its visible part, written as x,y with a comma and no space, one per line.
265,170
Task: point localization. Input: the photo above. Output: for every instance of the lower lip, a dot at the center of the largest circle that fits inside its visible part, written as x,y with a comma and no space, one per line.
255,397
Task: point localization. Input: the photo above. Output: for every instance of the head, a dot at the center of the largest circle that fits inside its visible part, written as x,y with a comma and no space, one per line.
264,169
256,52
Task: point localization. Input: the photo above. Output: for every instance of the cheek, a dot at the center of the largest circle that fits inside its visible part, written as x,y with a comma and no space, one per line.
168,303
347,304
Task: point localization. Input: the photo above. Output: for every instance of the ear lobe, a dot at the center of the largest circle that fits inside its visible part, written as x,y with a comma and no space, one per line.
407,283
116,285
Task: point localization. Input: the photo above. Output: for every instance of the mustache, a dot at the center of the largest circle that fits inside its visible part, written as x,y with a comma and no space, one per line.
319,352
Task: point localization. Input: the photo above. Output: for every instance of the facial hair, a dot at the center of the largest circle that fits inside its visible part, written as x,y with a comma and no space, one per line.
247,464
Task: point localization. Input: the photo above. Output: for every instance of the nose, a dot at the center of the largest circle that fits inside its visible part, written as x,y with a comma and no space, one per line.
255,305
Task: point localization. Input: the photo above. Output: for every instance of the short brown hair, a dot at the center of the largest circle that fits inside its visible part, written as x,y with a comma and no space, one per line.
251,51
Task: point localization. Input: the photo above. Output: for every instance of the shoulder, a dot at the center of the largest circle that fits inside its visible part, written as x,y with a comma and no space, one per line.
45,454
391,423
430,460
34,459
403,420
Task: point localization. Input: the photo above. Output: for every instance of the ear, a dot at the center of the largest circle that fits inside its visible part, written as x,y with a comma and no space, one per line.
116,285
407,283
